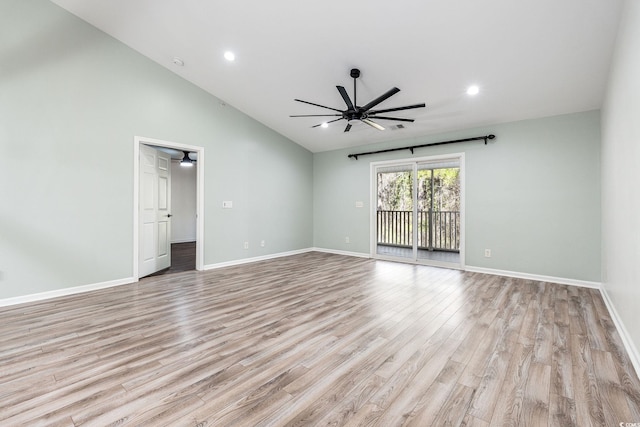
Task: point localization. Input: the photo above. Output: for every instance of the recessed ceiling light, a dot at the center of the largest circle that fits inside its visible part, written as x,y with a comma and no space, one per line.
229,56
473,90
324,125
179,62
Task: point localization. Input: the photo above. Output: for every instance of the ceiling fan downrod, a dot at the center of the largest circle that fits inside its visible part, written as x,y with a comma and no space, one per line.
355,73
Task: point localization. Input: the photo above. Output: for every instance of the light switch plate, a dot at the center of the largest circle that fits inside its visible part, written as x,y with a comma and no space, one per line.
227,204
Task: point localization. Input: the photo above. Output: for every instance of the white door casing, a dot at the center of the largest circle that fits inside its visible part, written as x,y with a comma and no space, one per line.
154,211
138,142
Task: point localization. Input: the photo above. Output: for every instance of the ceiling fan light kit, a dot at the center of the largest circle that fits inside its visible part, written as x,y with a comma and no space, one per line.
364,114
186,160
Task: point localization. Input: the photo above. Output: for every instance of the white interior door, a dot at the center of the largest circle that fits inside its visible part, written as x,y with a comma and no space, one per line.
155,211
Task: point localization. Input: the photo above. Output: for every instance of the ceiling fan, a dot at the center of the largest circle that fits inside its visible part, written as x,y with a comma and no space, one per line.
363,113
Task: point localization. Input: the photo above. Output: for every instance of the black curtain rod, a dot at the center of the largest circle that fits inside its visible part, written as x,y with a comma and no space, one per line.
413,147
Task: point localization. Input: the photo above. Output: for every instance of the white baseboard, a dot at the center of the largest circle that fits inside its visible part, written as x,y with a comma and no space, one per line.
282,254
338,252
537,277
254,259
628,343
64,292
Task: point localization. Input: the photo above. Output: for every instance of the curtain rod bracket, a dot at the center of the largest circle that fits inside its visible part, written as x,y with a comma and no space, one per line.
488,137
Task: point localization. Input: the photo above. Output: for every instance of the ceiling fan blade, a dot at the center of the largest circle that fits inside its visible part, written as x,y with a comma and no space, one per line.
372,124
345,96
316,115
388,110
318,105
348,128
381,98
330,121
398,119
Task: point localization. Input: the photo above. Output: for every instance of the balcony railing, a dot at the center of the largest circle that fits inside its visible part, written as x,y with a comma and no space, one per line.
437,230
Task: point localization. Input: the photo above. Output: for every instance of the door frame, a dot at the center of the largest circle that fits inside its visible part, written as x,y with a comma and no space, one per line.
139,140
373,203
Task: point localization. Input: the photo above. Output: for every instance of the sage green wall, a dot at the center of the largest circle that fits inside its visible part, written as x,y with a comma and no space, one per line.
621,178
532,195
71,101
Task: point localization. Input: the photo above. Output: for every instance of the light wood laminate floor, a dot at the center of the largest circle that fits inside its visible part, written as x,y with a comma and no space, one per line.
317,339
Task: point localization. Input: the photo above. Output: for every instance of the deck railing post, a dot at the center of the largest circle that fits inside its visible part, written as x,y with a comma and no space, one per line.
433,229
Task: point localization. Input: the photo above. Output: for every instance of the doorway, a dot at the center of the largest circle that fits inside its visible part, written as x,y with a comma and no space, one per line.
418,210
182,238
197,247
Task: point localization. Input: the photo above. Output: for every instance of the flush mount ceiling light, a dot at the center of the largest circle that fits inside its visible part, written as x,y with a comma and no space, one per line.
186,160
473,90
229,56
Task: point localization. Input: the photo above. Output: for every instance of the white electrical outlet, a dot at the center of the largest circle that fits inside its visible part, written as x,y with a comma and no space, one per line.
246,245
346,240
487,253
359,204
262,243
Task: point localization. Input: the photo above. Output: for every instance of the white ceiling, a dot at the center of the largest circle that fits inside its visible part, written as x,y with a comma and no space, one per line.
531,58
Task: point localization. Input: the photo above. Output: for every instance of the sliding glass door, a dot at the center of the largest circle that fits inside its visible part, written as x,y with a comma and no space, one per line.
394,212
419,211
439,211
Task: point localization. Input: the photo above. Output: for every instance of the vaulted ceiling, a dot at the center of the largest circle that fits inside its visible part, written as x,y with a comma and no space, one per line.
529,58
